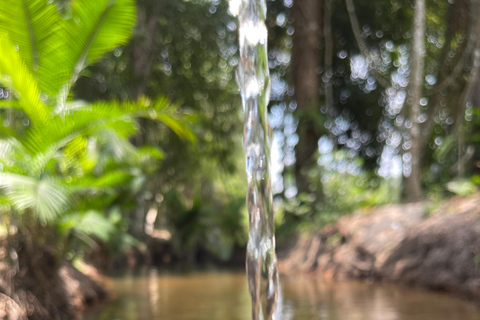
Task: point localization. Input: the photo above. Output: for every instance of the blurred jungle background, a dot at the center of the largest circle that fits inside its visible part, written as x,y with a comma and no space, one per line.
120,142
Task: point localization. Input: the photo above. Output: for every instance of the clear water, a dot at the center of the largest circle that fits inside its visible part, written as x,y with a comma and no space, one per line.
153,295
253,79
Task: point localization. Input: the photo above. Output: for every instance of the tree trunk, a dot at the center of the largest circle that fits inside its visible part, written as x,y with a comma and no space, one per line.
143,53
467,96
412,180
328,62
144,47
305,61
476,93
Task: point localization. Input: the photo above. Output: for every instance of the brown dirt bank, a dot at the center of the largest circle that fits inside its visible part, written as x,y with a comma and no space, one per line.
46,293
399,243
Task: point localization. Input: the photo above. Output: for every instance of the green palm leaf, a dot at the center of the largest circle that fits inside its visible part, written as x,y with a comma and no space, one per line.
9,104
30,25
104,24
91,223
121,149
96,27
150,152
6,150
6,132
44,198
110,179
161,110
13,156
177,126
15,76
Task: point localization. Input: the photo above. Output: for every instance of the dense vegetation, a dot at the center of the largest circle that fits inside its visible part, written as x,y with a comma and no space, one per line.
122,126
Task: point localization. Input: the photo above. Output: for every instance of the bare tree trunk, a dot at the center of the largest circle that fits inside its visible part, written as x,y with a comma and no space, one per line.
476,94
466,97
143,54
144,47
327,34
305,61
412,181
449,75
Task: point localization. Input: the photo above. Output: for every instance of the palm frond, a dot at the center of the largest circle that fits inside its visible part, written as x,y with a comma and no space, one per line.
93,223
18,79
30,25
6,132
151,152
121,149
111,121
88,118
96,27
178,126
43,142
105,23
109,179
10,104
161,110
45,198
13,156
6,150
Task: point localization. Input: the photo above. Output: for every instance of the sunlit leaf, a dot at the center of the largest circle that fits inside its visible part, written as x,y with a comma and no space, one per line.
30,25
93,223
96,27
44,198
17,77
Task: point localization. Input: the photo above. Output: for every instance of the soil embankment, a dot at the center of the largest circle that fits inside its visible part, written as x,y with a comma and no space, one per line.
63,294
400,243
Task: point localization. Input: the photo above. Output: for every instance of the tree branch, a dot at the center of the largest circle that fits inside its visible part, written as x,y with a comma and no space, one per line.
472,39
362,46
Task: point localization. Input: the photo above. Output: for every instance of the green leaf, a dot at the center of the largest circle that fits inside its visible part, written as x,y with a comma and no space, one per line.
44,198
159,110
151,151
30,25
6,132
10,104
42,143
96,27
109,179
119,147
18,79
177,126
462,187
13,156
94,223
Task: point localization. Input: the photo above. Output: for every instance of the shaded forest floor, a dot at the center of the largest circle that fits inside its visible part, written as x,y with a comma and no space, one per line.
411,244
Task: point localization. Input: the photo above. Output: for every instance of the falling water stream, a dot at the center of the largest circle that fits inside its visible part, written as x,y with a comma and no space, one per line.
253,78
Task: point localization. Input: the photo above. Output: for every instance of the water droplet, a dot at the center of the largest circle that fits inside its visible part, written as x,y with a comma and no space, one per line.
342,54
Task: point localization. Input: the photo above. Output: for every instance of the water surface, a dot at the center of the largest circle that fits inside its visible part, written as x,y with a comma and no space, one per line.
154,295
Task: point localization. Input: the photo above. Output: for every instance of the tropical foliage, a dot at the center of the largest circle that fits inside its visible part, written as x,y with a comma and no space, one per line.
66,163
